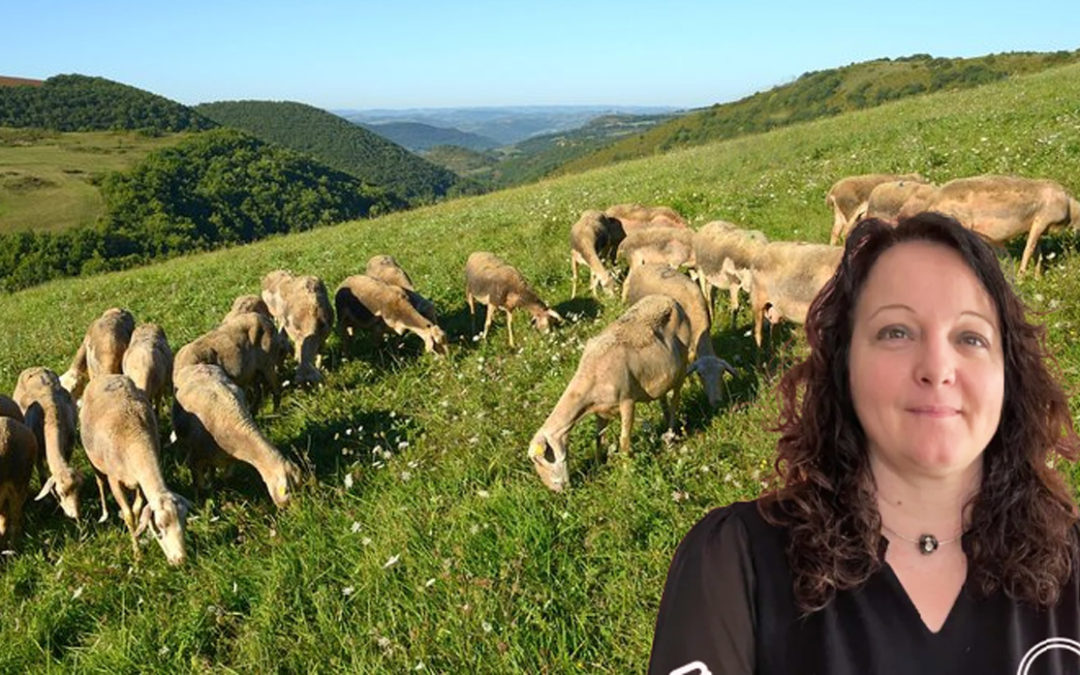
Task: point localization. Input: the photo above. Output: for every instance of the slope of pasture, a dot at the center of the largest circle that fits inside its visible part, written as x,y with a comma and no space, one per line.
427,543
48,179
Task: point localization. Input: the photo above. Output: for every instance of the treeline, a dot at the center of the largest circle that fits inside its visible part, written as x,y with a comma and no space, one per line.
342,145
217,188
81,103
822,94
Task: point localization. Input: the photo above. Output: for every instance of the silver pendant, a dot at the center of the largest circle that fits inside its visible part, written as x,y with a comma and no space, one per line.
928,543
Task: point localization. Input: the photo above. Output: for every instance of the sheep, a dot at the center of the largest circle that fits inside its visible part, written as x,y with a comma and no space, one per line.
724,254
500,286
673,246
639,357
386,269
148,361
637,217
302,306
120,435
248,303
593,238
887,200
213,424
50,414
247,347
660,278
847,198
362,302
9,408
785,279
18,451
101,351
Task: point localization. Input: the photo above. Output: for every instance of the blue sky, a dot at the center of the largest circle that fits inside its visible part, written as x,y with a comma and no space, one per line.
411,53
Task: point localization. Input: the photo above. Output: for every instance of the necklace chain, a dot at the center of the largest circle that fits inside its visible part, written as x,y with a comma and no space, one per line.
927,543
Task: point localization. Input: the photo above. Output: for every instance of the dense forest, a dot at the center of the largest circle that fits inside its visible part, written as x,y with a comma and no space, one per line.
216,188
340,144
81,103
821,94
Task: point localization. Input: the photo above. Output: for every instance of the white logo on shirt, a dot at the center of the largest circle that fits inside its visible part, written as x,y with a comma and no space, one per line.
1043,647
696,667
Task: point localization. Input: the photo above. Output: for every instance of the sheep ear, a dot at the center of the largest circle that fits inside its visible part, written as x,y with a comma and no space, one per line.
144,519
183,506
46,489
554,315
693,367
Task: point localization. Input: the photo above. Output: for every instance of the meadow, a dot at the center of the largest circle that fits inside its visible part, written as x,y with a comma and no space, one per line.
48,180
423,541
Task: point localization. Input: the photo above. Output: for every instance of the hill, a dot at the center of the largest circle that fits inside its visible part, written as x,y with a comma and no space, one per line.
464,162
338,144
6,81
419,137
821,94
427,541
81,103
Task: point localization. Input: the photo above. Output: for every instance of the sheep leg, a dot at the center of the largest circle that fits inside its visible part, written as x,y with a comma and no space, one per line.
626,420
489,314
673,409
601,426
101,492
471,302
125,511
509,324
1037,229
573,276
137,506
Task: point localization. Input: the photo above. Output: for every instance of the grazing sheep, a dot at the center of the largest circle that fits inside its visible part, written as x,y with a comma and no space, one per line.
672,246
213,425
887,200
247,347
847,198
724,254
362,302
637,217
9,408
148,361
18,451
1001,208
120,435
386,269
302,306
641,356
593,238
101,351
648,279
248,303
785,279
500,286
50,414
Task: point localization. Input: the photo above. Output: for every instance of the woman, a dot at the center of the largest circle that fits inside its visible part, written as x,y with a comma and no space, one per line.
919,528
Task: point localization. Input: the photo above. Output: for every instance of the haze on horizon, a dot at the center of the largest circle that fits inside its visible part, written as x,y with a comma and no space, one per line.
338,55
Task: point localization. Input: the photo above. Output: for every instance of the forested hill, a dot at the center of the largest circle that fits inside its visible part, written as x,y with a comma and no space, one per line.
339,144
81,103
418,137
821,94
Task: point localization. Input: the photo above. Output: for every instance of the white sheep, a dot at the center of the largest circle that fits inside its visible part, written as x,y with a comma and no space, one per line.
498,285
362,302
300,305
593,238
51,415
101,351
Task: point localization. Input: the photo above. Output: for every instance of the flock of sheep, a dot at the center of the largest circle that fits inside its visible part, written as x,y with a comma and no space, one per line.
121,374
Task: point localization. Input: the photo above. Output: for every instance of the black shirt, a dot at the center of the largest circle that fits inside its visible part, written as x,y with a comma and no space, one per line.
728,608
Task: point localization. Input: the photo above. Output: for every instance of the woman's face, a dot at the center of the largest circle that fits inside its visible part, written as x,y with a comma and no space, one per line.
926,365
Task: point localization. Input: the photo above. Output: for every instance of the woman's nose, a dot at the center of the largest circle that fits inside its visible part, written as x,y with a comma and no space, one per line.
937,362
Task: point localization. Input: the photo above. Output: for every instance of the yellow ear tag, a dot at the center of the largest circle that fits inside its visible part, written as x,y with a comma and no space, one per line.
283,491
536,450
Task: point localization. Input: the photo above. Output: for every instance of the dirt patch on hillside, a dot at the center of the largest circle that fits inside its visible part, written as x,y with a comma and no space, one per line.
24,183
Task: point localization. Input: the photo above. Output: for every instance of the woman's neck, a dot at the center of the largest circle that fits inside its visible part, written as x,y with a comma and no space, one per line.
912,505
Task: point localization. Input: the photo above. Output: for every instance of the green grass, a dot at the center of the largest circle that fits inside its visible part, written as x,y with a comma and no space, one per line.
488,572
48,180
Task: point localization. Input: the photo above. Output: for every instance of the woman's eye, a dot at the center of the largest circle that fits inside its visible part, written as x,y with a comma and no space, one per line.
974,340
892,333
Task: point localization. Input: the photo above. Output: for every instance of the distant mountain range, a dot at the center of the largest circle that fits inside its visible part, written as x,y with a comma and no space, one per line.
506,125
420,137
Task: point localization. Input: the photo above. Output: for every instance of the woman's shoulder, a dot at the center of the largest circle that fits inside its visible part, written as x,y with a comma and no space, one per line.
737,527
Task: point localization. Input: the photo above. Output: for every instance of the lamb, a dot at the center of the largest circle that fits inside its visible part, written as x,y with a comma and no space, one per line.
847,198
247,347
639,357
500,286
673,246
50,414
647,279
101,351
724,254
386,269
120,435
637,217
148,361
213,424
18,450
786,278
248,303
362,302
593,238
302,306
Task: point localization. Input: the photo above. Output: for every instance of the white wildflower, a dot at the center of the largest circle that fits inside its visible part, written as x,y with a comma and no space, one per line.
405,476
355,526
77,593
366,541
486,626
347,591
348,481
483,494
429,583
393,560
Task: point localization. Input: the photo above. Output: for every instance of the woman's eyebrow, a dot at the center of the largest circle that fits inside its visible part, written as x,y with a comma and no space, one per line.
892,306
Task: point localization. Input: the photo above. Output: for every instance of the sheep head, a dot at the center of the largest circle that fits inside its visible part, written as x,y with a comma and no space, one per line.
65,485
711,371
166,515
549,460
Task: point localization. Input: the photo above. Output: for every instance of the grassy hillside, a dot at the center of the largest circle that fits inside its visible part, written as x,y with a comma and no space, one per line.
338,144
462,161
427,543
419,137
49,180
821,94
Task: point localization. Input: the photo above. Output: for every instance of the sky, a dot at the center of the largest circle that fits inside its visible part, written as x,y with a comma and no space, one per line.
360,54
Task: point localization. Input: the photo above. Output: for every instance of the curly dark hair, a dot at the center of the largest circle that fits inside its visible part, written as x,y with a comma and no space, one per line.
1020,537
